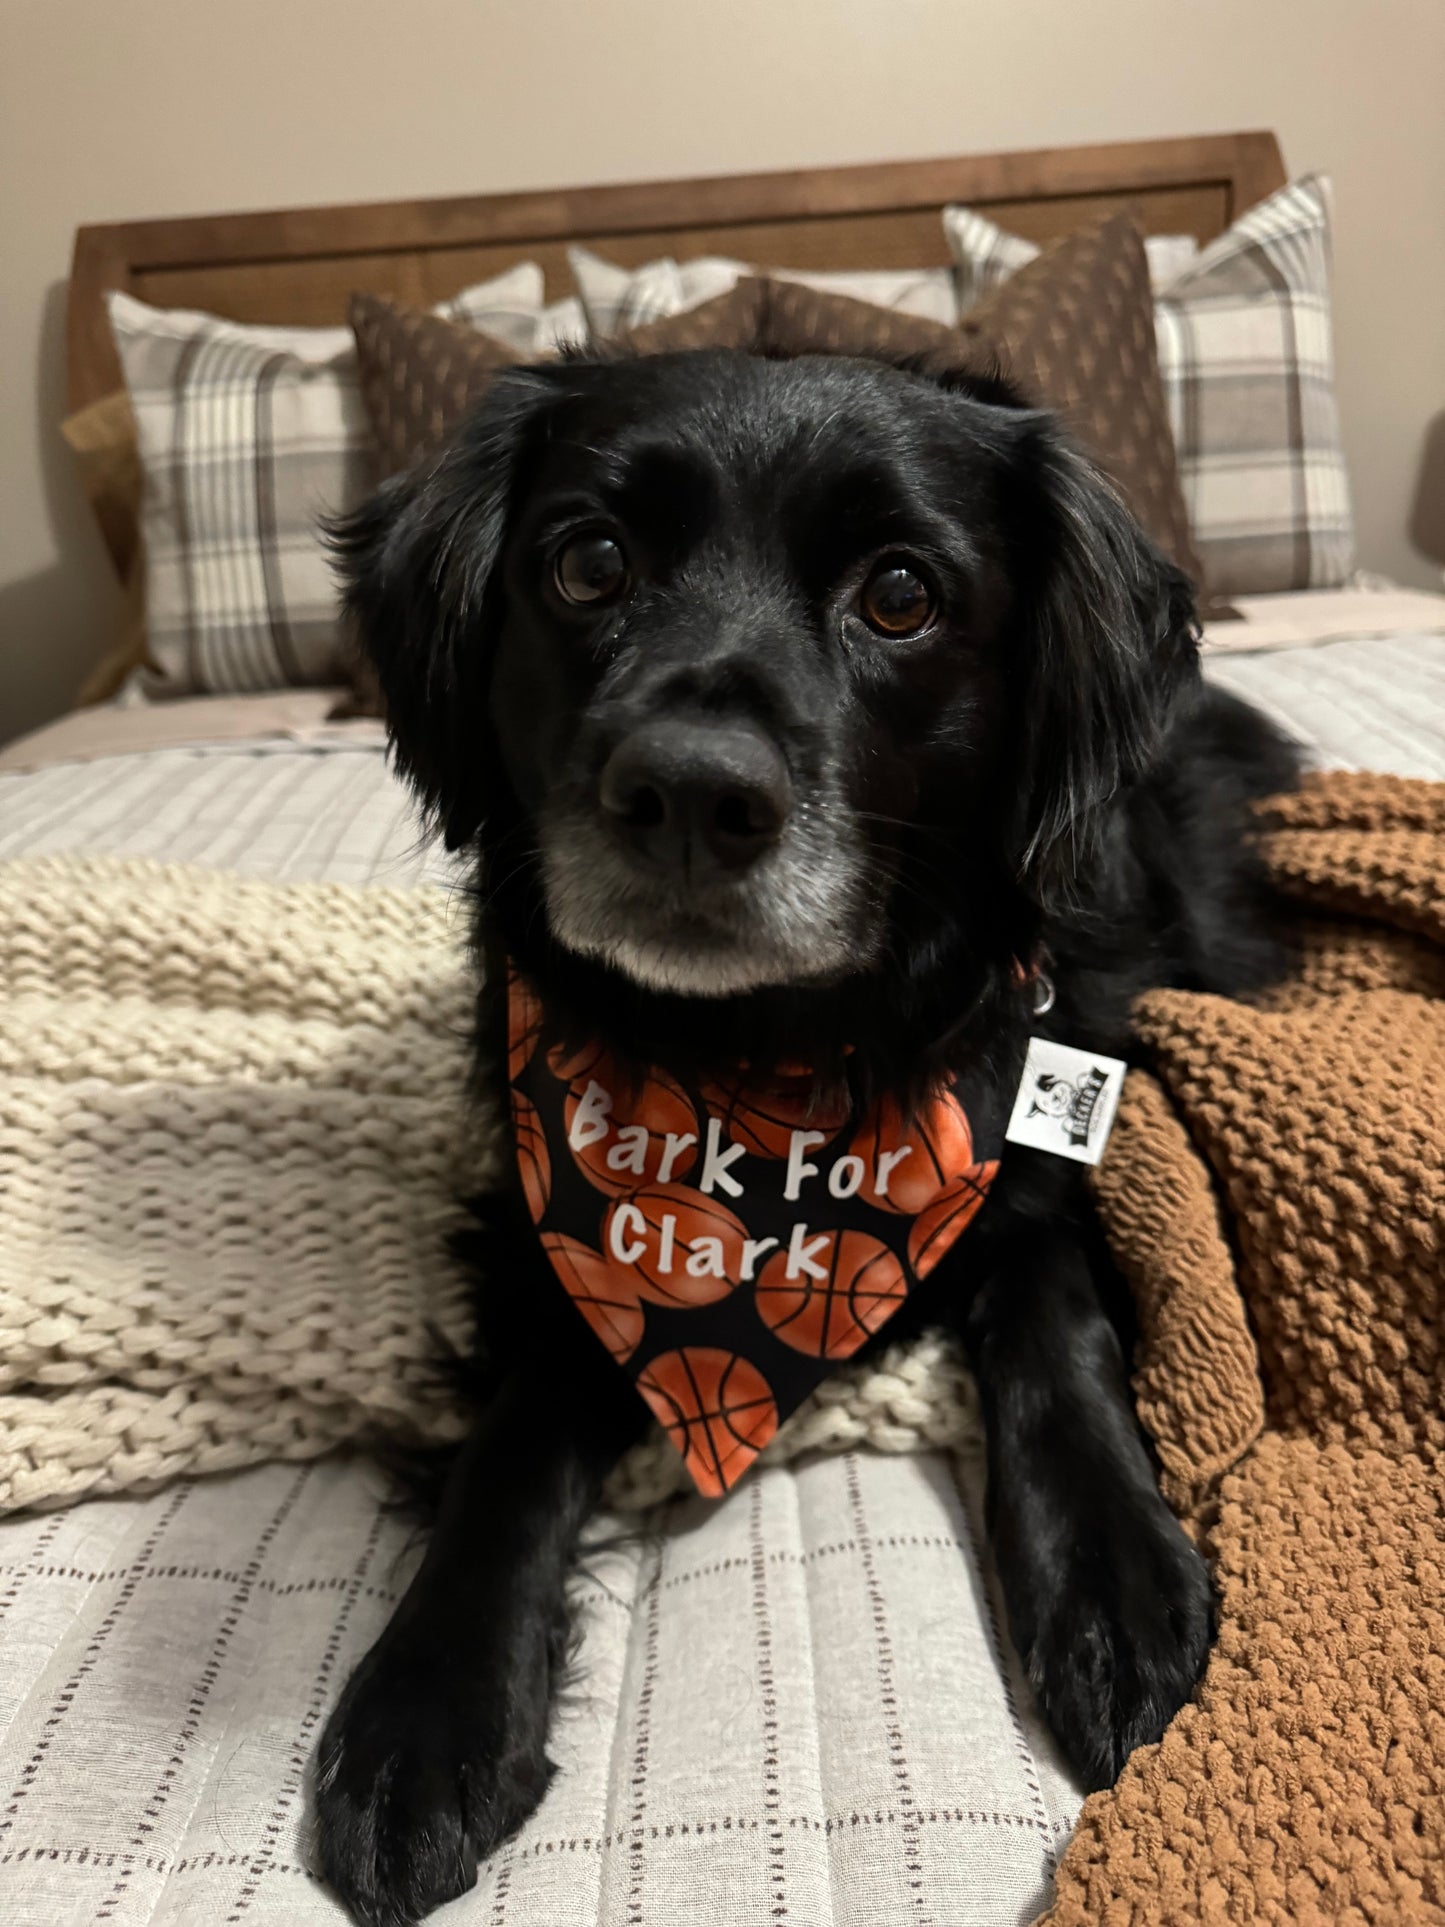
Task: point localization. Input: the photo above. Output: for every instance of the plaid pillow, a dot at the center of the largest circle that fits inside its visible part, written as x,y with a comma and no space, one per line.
621,298
1247,362
246,437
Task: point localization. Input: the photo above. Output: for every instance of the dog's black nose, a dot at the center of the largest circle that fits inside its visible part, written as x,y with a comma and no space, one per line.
694,794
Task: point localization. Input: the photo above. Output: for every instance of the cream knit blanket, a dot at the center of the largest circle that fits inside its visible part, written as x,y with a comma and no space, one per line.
233,1130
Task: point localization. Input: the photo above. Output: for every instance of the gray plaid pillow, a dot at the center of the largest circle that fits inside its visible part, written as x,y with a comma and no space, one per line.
247,436
1246,356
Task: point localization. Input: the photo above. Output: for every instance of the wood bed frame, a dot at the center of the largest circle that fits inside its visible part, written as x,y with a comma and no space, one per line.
300,265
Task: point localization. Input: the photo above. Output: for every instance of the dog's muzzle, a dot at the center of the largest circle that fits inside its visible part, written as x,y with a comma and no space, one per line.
691,798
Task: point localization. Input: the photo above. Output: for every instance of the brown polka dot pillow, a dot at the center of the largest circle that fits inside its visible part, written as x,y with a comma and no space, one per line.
421,373
1076,329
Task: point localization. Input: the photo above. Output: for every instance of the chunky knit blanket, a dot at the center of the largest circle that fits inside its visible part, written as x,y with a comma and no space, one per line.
233,1134
1276,1196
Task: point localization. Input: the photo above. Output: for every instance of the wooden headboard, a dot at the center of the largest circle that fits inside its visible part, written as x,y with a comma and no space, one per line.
300,265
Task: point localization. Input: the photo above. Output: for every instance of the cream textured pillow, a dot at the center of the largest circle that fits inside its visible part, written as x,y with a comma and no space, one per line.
616,298
247,436
1247,360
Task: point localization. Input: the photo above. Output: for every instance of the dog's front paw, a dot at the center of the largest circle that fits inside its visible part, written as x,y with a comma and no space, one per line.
420,1777
1118,1639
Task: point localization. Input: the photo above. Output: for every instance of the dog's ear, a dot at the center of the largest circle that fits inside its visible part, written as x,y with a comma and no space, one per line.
418,566
1107,637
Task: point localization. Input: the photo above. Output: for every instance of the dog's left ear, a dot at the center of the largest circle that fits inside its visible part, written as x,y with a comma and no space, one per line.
1105,642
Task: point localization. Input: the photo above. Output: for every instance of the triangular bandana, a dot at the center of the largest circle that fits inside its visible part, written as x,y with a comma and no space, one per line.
726,1243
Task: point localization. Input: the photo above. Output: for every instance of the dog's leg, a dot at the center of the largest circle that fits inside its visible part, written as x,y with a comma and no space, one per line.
1108,1602
436,1752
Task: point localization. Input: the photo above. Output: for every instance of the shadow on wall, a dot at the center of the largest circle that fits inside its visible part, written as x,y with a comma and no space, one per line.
1427,512
57,623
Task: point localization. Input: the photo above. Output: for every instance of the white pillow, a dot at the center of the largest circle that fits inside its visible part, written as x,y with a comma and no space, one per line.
618,298
247,436
562,324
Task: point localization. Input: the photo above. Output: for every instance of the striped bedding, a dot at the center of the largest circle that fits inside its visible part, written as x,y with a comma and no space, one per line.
799,1705
329,810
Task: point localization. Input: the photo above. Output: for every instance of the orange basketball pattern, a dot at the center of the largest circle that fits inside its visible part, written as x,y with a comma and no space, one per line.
717,1408
763,1117
938,1149
534,1160
524,1025
599,1291
830,1317
656,1105
936,1230
676,1218
575,1067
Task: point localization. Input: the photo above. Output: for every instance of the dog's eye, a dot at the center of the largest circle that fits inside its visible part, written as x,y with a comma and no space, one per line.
591,569
895,600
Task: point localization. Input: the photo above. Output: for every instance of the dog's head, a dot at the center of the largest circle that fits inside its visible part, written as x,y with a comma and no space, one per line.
750,672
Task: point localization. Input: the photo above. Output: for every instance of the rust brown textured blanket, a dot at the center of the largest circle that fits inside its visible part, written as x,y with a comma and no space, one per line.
1275,1193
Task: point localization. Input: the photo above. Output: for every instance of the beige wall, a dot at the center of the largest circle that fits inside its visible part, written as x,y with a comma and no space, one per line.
118,109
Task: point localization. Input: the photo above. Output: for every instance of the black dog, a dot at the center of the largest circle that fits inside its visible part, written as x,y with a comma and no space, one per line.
788,707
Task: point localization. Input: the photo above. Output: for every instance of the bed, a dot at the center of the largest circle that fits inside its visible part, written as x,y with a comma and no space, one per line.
799,1704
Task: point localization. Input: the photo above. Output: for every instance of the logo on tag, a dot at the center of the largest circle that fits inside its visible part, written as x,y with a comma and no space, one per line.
1066,1101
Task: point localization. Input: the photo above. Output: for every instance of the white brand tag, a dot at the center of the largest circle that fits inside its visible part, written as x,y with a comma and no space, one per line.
1067,1100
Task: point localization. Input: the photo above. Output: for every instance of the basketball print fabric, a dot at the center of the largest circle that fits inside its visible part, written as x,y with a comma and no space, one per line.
729,1244
862,1285
716,1407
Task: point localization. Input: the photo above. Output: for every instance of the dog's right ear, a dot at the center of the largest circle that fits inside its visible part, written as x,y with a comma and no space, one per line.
418,566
